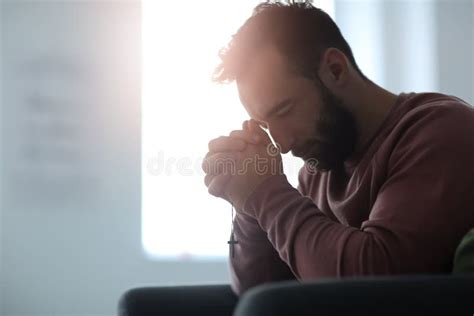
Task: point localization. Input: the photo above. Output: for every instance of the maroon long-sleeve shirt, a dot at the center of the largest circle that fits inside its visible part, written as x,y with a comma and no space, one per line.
401,206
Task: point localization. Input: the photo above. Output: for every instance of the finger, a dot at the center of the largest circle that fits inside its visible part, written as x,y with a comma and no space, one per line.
253,127
254,123
257,130
226,143
208,178
218,184
221,162
245,135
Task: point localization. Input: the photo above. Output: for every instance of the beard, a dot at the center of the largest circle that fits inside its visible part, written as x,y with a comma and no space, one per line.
336,131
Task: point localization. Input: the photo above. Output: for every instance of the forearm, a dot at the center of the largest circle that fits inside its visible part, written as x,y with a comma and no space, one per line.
255,260
313,245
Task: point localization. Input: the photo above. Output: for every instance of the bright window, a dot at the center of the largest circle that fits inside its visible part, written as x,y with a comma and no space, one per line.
182,111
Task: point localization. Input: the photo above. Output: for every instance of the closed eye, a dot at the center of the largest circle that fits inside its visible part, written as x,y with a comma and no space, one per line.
283,111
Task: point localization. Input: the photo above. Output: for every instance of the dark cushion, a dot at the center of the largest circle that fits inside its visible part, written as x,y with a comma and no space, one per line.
405,295
464,257
178,300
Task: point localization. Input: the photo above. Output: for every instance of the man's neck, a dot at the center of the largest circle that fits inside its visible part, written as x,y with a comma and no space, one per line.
370,107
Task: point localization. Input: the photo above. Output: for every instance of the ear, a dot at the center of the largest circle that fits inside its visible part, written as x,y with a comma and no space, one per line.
334,68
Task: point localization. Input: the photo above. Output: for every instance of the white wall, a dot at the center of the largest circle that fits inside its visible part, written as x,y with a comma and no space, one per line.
70,123
423,45
455,47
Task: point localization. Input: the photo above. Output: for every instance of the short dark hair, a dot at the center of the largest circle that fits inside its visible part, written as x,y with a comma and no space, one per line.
300,31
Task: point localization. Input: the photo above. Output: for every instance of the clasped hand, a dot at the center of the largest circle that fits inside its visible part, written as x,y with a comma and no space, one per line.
237,164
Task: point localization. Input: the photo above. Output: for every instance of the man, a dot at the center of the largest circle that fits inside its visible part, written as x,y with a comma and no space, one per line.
388,182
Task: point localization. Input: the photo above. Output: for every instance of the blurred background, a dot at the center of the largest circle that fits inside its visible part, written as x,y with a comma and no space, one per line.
106,109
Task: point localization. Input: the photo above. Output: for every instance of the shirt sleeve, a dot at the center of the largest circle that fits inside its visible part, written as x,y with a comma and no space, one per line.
255,260
419,216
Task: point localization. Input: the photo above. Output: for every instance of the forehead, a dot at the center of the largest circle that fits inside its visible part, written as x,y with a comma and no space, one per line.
267,81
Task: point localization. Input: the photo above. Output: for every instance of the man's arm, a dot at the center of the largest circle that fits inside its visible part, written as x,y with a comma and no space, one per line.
420,214
255,260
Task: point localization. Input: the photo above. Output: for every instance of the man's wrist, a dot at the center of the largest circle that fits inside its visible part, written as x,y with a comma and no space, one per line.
252,202
248,228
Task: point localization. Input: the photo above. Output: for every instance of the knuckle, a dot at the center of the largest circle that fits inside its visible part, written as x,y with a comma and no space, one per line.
211,191
234,133
217,162
243,136
214,142
214,189
205,165
207,179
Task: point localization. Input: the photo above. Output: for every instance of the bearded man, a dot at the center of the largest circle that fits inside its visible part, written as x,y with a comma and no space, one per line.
388,182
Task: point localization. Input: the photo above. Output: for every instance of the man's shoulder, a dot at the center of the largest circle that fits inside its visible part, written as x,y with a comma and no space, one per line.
421,110
421,104
433,122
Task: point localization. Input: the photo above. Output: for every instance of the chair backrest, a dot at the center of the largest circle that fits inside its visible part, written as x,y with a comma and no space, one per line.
366,296
464,256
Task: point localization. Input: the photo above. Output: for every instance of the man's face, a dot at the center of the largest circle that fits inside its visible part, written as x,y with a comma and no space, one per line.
301,115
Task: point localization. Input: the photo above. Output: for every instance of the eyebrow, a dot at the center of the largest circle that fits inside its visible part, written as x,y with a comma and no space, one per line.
278,107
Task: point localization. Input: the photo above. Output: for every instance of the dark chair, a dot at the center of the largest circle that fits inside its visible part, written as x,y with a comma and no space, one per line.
402,295
178,300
